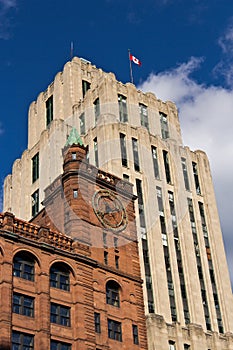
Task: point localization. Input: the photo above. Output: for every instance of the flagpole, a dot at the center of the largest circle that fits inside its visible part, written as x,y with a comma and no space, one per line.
130,67
71,50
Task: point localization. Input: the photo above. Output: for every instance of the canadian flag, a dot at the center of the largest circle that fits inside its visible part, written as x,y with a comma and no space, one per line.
135,60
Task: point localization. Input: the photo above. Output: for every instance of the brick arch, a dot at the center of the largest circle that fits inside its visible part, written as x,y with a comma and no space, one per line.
28,252
113,280
64,263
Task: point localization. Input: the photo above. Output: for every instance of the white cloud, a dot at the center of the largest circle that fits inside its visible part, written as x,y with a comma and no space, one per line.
6,6
224,67
205,114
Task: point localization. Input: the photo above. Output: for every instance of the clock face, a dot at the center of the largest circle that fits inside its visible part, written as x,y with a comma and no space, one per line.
109,210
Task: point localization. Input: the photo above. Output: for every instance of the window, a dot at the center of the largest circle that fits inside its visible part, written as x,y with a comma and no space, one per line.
60,314
23,305
140,204
106,258
23,267
59,277
57,345
97,322
35,203
124,161
155,161
85,87
203,221
74,155
196,178
122,103
160,200
185,173
75,194
97,109
135,334
135,154
166,166
82,124
126,177
112,294
114,330
143,115
186,347
49,110
22,341
172,345
105,239
96,152
115,242
164,125
35,167
117,261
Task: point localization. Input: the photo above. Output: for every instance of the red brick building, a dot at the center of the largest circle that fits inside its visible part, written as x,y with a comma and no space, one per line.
71,278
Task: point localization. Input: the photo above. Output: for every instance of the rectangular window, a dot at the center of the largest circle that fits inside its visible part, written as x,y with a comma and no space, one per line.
35,203
49,110
135,154
115,242
105,239
160,200
85,87
122,103
155,161
60,314
196,178
164,125
96,152
117,261
106,258
140,203
166,166
22,341
135,334
23,305
124,161
143,115
185,173
203,221
97,322
97,109
82,124
114,330
35,167
57,345
75,194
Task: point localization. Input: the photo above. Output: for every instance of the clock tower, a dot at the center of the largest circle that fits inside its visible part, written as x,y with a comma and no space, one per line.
96,209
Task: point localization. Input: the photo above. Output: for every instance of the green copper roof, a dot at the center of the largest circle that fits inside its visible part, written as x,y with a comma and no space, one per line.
74,138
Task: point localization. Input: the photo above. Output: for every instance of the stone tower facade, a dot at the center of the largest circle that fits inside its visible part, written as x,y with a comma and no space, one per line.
187,292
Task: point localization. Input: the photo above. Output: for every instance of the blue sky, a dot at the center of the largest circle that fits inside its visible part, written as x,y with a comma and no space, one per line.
186,49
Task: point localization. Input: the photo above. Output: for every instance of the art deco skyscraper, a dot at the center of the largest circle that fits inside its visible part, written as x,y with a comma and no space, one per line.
187,292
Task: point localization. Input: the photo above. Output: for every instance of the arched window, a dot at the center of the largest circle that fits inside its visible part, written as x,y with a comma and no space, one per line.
60,277
112,293
24,266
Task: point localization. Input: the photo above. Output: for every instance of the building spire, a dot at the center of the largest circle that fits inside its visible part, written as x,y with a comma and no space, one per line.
74,138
